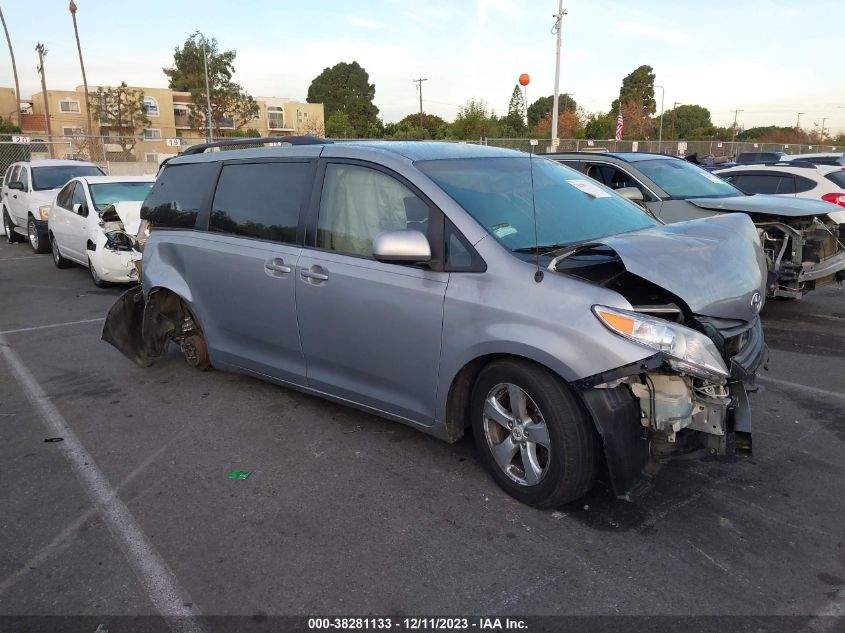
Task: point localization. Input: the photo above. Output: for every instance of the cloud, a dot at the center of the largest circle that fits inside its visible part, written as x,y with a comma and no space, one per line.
366,24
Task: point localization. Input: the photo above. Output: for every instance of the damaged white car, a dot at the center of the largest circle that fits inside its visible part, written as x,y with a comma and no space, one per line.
93,222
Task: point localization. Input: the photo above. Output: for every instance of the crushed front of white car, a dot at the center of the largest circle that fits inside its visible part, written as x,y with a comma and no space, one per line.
117,255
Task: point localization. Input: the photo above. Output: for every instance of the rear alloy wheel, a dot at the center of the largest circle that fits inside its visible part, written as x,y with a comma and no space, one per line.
36,240
58,260
95,277
12,236
535,438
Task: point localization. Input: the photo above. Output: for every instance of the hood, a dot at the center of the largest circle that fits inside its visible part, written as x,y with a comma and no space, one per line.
130,215
43,196
715,265
766,205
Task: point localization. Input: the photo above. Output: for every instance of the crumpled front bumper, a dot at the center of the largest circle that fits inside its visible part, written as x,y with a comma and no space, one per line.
114,266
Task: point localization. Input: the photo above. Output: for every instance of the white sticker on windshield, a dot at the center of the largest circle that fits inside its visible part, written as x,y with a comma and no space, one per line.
503,230
591,189
711,177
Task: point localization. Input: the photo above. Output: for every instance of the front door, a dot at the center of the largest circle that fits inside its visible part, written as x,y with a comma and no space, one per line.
371,331
77,223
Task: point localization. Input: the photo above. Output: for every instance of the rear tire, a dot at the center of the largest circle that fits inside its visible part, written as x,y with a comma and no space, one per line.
58,260
95,277
543,448
9,230
37,240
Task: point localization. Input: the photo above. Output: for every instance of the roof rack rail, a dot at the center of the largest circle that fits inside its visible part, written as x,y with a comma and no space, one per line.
805,164
250,140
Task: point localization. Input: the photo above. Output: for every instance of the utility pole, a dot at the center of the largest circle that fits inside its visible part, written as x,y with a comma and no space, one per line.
565,95
660,132
42,51
419,83
556,30
675,115
736,112
798,122
821,133
207,91
14,71
72,8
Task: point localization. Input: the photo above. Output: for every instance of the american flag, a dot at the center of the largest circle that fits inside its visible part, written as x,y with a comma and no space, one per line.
620,124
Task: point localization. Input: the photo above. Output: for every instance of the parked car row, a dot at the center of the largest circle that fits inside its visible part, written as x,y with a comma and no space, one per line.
74,210
449,286
802,239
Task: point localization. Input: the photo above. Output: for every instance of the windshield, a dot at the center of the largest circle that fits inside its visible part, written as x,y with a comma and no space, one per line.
682,179
570,208
108,193
55,177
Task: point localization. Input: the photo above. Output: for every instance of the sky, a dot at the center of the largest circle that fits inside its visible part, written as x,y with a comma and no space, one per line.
769,58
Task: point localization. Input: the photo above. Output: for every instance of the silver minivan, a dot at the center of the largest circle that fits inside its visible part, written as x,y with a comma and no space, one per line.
449,286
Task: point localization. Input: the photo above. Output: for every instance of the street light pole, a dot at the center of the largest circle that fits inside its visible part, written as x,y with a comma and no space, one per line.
733,137
72,8
556,29
660,132
821,133
798,123
674,115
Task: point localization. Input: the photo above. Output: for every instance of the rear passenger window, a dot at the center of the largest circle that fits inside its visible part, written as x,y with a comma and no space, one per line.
63,199
803,184
358,203
756,183
260,200
177,195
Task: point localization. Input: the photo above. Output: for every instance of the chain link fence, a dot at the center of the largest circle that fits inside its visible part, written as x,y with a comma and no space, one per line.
117,155
675,148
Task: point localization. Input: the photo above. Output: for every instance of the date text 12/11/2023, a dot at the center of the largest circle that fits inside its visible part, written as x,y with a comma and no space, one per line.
417,624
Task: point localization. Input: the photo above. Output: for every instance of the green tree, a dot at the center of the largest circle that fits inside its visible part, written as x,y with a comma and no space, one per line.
688,122
120,112
542,107
433,127
339,125
600,125
346,88
515,118
474,121
7,127
638,87
230,104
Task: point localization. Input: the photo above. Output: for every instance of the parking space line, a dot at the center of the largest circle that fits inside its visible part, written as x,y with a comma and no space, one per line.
160,583
12,259
800,387
52,325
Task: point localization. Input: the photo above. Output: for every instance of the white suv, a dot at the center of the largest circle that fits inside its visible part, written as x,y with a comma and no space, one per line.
794,179
28,191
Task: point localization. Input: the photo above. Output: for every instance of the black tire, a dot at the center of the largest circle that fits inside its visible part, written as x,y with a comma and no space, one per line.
58,260
37,240
570,464
95,277
9,230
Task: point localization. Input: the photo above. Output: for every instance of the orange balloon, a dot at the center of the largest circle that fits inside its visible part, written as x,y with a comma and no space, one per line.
524,79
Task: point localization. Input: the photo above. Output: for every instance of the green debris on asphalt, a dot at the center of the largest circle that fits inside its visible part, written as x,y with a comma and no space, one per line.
240,474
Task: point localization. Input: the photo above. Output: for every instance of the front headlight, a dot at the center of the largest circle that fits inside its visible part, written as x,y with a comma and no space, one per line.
685,349
44,211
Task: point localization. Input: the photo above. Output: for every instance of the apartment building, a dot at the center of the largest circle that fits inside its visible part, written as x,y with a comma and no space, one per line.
169,126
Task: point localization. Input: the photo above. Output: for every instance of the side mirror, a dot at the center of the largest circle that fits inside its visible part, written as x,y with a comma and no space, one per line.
402,246
631,193
16,184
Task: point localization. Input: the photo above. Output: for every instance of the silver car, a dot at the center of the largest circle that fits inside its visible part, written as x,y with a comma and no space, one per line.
448,286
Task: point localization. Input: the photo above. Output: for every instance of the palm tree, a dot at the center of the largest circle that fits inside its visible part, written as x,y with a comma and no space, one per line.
14,71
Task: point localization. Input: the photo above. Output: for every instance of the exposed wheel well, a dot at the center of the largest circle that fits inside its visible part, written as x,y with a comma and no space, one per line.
90,246
460,392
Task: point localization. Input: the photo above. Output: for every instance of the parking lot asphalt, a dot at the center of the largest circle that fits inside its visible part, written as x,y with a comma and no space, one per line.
346,513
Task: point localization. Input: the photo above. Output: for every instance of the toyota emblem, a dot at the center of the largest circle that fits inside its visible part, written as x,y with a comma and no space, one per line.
756,302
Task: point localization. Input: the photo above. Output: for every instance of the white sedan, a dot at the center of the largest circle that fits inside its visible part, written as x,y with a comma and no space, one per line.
80,234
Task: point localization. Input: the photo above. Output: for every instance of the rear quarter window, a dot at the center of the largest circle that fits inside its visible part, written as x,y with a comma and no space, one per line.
837,178
176,198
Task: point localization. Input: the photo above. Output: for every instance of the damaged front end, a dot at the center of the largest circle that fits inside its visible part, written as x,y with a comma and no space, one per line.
689,398
803,254
116,253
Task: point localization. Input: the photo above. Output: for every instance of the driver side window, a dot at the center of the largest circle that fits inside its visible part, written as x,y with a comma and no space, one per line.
614,178
24,178
358,203
79,198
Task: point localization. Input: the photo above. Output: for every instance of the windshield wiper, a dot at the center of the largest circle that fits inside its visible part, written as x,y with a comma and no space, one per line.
542,249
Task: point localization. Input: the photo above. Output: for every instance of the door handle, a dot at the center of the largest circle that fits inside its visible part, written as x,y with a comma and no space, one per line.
315,273
276,267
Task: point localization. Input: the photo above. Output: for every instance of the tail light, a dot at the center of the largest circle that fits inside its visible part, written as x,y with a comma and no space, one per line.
835,198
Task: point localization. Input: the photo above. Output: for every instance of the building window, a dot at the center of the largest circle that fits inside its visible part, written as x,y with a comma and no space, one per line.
150,106
151,157
227,122
275,118
72,131
68,105
153,134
